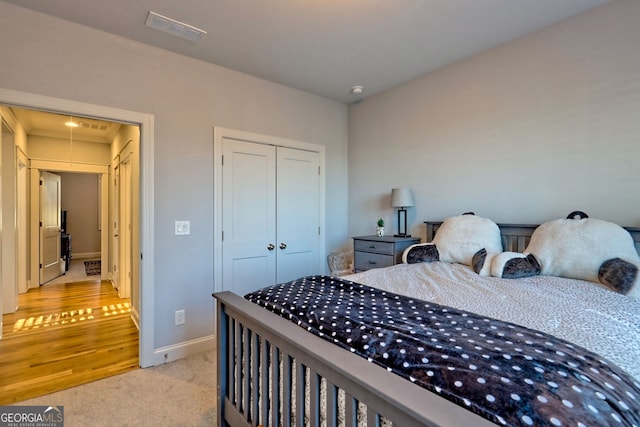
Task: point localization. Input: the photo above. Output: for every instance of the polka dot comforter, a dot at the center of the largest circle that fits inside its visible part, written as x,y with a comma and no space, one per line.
507,373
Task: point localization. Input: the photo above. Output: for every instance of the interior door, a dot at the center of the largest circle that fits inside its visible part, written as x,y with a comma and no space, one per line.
22,223
116,225
125,228
50,191
298,213
248,216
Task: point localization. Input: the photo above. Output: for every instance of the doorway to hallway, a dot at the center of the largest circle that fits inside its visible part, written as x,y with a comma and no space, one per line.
143,214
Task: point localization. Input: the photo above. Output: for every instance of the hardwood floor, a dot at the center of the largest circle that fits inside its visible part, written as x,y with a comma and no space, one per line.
67,334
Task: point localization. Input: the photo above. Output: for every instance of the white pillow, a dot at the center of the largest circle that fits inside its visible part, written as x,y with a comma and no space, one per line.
577,248
460,237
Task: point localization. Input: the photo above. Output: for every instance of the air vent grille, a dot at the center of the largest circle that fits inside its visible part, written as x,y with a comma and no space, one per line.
94,126
173,27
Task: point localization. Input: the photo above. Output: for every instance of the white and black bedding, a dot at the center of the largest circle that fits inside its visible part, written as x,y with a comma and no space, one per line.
505,372
581,312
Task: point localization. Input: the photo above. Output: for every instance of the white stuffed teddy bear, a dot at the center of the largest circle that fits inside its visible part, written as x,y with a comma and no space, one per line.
464,239
578,248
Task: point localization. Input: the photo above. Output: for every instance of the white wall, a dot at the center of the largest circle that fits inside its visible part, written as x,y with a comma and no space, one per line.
47,56
79,197
524,133
61,150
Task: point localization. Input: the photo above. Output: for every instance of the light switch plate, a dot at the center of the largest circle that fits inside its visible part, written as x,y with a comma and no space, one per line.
179,317
183,228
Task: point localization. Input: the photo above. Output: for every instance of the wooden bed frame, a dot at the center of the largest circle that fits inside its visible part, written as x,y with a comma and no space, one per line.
254,345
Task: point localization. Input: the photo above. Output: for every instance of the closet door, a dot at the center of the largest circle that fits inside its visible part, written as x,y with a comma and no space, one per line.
298,213
248,216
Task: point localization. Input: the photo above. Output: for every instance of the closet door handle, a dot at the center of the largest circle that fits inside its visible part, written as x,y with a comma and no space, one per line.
271,246
283,246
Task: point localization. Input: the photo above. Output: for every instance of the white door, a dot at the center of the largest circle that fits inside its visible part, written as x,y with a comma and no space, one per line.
23,226
124,290
116,226
248,216
270,215
298,213
50,192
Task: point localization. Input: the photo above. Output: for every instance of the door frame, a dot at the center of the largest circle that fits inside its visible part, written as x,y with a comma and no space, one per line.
146,217
22,222
39,166
8,230
114,258
124,215
220,133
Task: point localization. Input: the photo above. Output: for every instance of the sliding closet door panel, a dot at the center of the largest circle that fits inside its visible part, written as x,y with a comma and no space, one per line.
298,195
248,216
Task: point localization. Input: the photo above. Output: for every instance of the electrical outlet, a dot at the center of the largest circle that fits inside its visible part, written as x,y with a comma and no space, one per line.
179,317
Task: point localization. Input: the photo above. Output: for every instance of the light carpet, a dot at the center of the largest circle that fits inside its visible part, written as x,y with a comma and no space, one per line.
179,393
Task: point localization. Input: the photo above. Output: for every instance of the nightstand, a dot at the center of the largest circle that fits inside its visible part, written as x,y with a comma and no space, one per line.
377,252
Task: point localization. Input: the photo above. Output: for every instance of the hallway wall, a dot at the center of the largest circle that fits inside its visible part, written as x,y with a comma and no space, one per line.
80,199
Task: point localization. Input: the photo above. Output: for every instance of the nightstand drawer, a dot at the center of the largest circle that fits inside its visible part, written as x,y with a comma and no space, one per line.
379,251
367,260
371,246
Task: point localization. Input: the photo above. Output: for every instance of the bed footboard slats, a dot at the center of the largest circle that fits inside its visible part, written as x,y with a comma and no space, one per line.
255,372
300,388
285,390
331,402
373,419
264,380
245,352
265,385
350,411
314,397
274,392
271,372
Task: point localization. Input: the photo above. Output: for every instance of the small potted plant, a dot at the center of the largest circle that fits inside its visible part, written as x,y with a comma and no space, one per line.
380,228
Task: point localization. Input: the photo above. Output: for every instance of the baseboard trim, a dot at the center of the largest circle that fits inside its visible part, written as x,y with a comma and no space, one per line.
85,255
181,350
135,316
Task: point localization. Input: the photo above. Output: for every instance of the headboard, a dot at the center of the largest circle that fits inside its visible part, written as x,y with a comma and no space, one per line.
515,237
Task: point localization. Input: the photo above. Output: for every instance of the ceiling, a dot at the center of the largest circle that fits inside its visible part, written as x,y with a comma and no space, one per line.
325,46
47,124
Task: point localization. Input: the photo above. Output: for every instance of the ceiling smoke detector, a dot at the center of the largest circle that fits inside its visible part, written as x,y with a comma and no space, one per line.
173,27
357,90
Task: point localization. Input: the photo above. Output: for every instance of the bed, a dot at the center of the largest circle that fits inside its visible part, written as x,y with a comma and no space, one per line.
272,371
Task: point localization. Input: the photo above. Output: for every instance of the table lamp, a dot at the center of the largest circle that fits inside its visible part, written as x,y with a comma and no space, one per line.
402,198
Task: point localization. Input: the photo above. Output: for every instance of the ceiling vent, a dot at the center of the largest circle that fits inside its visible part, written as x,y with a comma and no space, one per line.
173,27
94,125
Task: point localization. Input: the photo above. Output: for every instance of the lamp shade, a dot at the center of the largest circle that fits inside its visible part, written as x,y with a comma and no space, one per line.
401,197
